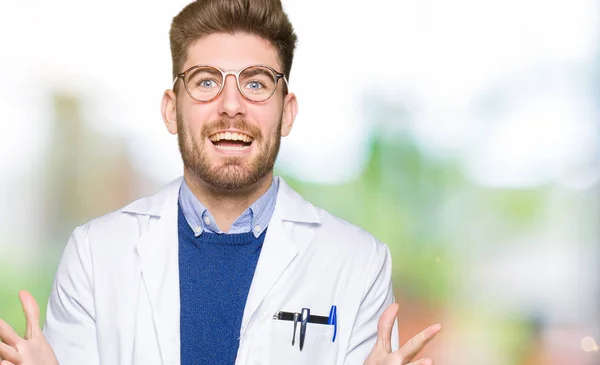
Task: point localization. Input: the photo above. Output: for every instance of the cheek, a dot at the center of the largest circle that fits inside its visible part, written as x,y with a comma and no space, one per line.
194,120
267,120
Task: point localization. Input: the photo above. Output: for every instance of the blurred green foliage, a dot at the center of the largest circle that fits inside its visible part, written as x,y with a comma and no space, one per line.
398,198
36,276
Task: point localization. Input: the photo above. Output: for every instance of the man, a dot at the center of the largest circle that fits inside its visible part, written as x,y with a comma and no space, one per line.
227,264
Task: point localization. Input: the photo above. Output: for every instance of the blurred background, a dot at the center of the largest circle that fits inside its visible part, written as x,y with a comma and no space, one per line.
464,134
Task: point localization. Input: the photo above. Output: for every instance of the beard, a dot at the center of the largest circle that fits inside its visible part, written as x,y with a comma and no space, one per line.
231,173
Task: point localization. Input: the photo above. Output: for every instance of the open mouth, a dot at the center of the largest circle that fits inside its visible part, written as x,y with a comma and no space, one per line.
231,141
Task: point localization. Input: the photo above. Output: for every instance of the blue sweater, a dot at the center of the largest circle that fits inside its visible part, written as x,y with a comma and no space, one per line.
215,273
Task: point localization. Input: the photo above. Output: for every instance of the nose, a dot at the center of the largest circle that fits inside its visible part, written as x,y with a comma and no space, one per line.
231,101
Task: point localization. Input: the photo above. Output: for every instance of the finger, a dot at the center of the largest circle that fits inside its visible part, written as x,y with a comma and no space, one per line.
424,361
9,353
8,335
32,313
416,344
385,326
6,362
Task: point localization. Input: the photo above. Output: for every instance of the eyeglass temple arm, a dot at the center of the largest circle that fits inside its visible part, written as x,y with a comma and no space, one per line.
175,80
282,76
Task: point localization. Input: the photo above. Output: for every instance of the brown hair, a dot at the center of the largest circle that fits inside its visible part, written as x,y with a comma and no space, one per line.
264,18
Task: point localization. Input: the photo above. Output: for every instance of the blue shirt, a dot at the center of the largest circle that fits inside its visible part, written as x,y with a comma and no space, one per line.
256,218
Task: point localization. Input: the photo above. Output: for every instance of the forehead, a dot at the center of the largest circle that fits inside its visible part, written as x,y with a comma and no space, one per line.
232,52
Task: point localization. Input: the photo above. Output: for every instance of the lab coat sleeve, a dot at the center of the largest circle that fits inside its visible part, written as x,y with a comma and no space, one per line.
378,295
70,317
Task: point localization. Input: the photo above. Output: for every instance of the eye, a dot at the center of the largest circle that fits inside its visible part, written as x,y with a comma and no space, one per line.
207,83
255,85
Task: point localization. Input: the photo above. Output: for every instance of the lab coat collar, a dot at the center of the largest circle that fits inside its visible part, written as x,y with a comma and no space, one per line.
157,204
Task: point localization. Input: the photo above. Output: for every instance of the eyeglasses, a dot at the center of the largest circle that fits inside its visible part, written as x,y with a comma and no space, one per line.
256,83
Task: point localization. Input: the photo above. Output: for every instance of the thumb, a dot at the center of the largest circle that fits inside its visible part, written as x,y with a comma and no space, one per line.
32,313
385,327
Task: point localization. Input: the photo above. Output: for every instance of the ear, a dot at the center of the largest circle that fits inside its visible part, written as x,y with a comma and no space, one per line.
169,111
290,110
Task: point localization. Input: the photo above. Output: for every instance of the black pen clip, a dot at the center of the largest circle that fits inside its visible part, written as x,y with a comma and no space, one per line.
303,322
296,318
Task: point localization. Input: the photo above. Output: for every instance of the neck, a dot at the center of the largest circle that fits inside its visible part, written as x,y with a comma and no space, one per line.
226,206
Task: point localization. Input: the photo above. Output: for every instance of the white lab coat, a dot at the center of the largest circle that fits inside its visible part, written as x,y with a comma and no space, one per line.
115,298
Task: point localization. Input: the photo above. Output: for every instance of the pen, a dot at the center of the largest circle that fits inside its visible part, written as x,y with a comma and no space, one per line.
296,317
332,320
289,316
303,322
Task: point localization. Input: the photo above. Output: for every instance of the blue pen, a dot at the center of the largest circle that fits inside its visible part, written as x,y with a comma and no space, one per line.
333,320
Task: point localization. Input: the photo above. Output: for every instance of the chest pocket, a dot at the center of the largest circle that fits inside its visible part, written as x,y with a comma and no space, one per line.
318,348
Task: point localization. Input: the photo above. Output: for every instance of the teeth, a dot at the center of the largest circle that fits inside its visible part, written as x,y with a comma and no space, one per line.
232,148
230,136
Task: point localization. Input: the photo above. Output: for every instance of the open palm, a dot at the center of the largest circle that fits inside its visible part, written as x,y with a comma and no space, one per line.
382,350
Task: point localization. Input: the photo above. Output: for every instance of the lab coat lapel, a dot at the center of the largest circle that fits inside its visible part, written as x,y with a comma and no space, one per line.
158,252
277,253
280,246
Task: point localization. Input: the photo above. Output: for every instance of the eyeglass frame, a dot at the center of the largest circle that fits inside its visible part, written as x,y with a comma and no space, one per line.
236,74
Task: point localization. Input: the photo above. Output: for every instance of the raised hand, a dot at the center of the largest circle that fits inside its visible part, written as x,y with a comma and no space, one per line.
382,351
31,350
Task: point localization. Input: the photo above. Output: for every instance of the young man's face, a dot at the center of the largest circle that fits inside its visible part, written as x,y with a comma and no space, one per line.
230,143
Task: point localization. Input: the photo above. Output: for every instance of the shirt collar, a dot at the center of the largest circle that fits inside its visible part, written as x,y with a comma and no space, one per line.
256,218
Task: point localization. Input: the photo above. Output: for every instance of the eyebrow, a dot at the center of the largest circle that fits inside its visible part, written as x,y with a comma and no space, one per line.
206,69
256,71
